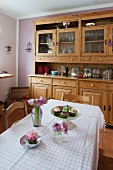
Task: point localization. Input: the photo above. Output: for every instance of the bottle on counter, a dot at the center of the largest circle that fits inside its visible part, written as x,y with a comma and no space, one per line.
80,73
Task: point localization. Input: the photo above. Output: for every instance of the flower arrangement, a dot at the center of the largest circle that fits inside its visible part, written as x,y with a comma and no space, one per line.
37,111
37,102
60,127
31,136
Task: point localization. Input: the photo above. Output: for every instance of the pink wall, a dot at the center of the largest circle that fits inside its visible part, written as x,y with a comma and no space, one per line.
7,61
26,34
25,61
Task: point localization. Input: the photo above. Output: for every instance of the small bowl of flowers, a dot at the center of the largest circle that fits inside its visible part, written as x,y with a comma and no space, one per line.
31,139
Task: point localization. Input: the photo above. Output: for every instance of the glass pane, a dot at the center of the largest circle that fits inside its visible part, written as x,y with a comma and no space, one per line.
45,43
67,37
94,47
94,41
94,35
66,42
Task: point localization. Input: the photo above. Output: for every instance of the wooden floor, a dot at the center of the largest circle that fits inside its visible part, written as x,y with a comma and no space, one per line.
106,154
17,115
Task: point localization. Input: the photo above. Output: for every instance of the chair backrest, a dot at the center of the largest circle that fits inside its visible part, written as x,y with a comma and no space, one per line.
77,98
14,106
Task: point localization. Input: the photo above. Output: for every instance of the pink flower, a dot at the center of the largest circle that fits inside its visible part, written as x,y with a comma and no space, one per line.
31,135
64,127
37,102
57,127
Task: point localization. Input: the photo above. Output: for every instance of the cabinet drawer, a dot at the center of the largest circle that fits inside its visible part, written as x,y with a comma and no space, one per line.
110,60
63,82
60,59
110,86
92,85
71,59
41,80
86,59
39,59
100,60
49,59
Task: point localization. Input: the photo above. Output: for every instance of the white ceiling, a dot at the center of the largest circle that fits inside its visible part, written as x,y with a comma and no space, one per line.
34,8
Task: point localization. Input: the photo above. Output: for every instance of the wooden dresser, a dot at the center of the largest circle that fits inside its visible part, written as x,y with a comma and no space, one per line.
52,87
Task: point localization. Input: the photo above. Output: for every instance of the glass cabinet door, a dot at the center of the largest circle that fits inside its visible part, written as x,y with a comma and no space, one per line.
93,41
66,42
45,42
110,40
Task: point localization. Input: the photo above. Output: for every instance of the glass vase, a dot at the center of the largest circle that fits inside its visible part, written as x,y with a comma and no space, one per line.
36,116
57,137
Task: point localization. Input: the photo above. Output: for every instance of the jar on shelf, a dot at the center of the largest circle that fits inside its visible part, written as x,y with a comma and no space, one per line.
87,73
74,72
80,73
96,73
107,74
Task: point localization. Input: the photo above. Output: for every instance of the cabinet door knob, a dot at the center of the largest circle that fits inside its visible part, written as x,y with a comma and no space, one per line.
100,59
105,42
71,59
92,85
86,59
56,43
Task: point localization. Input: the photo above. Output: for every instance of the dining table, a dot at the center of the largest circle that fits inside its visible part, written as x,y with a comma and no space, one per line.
77,151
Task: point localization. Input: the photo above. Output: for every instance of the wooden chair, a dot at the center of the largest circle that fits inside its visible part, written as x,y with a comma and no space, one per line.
10,110
77,98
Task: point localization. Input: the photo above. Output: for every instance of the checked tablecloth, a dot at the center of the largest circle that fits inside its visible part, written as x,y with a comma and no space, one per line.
79,150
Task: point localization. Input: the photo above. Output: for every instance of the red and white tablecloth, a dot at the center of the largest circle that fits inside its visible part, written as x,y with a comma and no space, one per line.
78,152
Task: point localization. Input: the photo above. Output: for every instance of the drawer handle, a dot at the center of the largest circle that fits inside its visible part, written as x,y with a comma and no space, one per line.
109,108
100,59
71,59
104,107
86,59
92,85
41,80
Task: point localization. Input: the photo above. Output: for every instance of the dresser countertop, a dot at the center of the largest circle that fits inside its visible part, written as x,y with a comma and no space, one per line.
6,75
70,77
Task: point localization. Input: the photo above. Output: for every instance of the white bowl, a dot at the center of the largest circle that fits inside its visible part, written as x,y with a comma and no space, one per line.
54,72
90,24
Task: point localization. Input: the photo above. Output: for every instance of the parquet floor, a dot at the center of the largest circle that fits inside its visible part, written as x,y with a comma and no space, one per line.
106,154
